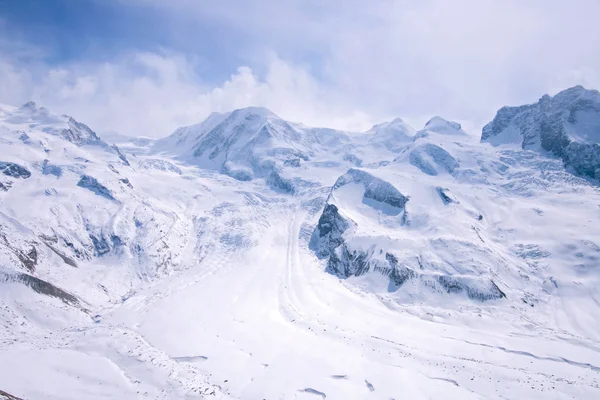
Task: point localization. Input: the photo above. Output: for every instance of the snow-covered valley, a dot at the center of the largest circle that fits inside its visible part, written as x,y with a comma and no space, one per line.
247,257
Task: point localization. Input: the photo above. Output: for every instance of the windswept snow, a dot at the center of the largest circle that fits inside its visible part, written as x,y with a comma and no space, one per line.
247,257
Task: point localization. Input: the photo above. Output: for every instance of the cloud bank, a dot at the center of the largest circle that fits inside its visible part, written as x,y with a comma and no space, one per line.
339,64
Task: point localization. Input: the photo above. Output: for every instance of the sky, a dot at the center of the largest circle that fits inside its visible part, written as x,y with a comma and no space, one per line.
146,67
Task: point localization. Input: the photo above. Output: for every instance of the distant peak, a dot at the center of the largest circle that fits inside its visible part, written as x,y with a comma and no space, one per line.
398,121
577,88
395,124
442,125
260,112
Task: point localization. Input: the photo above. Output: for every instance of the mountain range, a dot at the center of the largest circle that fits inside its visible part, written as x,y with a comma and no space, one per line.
250,257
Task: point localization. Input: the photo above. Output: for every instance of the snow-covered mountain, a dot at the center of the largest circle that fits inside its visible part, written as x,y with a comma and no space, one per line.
249,257
567,125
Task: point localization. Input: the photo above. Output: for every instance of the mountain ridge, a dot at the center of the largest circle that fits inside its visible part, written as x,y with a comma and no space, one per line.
251,257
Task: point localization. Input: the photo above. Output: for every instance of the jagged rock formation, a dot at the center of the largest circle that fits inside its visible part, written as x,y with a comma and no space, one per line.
349,252
445,195
92,184
14,170
567,125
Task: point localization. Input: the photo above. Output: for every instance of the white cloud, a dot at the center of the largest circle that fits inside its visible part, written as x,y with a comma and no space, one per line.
344,64
462,58
148,94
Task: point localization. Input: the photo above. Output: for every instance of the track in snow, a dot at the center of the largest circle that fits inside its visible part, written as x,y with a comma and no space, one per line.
269,323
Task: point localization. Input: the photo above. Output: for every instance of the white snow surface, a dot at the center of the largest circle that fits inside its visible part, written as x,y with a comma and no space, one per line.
180,279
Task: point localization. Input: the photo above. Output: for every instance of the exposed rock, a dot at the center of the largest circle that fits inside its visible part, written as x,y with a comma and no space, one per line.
328,234
50,169
28,258
40,286
126,182
67,260
568,125
120,154
375,188
93,185
24,250
14,170
429,158
23,137
8,396
160,165
103,245
445,195
278,183
80,134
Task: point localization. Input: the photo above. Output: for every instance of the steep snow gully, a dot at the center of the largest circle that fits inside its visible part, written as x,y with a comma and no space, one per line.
288,262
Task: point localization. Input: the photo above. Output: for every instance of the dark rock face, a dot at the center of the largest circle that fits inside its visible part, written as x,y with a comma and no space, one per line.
93,185
328,235
8,396
554,124
26,253
14,170
122,156
584,158
28,258
444,195
375,188
332,240
276,182
103,245
345,263
398,274
421,155
458,285
50,169
80,134
41,287
126,182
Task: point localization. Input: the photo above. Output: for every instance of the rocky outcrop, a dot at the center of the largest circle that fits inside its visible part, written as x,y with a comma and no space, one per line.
584,158
40,286
327,236
90,183
431,159
567,125
375,188
8,396
122,156
445,195
160,165
80,134
349,252
14,170
51,169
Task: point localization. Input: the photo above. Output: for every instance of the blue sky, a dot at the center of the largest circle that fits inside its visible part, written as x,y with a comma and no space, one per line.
144,67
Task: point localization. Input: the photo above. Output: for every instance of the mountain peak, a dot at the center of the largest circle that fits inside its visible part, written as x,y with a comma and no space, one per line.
567,125
254,112
441,125
393,135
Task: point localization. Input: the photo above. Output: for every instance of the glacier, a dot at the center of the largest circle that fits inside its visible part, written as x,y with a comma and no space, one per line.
249,257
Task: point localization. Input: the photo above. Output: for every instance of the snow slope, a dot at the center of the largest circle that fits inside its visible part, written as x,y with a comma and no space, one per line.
379,265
